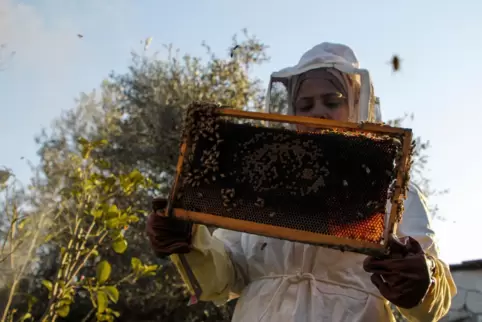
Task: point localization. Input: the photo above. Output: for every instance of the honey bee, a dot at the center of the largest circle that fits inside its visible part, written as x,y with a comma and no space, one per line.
395,62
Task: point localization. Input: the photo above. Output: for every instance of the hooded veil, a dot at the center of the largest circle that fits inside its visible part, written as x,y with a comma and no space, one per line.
342,62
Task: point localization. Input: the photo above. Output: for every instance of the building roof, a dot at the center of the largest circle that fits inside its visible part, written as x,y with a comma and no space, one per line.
467,265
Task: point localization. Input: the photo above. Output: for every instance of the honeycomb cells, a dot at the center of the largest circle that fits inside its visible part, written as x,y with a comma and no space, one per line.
329,182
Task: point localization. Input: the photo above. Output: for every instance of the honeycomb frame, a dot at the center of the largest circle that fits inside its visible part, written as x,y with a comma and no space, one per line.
211,113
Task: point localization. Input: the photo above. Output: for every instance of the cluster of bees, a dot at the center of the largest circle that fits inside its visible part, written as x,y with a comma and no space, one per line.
372,136
405,180
268,157
201,122
227,196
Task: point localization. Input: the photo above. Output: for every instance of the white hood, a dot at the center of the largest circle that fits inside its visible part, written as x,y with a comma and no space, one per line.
343,59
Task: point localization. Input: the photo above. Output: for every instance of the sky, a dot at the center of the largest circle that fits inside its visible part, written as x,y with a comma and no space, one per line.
439,79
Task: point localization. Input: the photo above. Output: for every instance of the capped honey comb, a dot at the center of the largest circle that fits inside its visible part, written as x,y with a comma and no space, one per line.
341,186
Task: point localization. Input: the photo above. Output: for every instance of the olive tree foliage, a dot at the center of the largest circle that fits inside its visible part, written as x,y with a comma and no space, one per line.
101,163
17,244
82,224
130,129
156,92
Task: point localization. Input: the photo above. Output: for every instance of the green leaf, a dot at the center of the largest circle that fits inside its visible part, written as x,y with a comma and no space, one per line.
102,301
116,234
113,223
128,187
118,223
103,271
114,209
133,219
151,268
103,164
26,316
49,237
112,293
136,264
97,213
82,141
112,212
86,147
109,182
86,152
119,246
47,284
63,311
136,176
22,223
31,301
4,176
99,143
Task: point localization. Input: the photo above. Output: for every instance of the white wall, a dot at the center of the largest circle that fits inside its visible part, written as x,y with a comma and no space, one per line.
467,304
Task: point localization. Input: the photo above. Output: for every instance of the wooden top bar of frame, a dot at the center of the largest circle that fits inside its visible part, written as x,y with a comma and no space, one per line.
321,123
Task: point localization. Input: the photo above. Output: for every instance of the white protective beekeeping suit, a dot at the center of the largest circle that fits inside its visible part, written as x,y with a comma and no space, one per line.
283,281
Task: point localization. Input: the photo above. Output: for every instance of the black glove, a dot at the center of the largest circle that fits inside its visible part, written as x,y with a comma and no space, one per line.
167,235
403,277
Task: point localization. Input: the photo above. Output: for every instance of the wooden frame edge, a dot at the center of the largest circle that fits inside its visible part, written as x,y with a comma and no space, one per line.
282,232
324,123
397,198
175,185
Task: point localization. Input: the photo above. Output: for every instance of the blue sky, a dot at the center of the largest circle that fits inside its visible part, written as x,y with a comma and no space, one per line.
439,81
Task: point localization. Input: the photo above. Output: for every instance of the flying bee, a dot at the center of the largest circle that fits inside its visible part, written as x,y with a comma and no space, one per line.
395,62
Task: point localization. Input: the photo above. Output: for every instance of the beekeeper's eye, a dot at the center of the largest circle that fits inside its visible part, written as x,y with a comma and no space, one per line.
334,100
331,101
304,104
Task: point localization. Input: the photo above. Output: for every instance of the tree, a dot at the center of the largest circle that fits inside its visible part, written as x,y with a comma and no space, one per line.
155,94
144,106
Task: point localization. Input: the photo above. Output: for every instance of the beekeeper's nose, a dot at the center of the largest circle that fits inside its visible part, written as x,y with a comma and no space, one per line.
320,110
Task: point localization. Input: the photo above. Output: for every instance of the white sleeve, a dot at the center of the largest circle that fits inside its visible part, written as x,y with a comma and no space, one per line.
416,221
215,265
232,242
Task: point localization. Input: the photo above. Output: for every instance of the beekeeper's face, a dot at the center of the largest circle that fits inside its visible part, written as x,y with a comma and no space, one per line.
320,94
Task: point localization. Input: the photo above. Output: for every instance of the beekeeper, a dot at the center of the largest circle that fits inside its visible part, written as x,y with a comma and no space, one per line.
285,281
